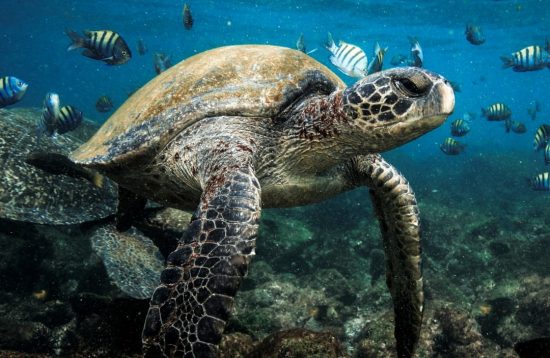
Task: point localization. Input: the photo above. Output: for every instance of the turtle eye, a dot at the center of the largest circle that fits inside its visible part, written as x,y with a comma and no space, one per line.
413,86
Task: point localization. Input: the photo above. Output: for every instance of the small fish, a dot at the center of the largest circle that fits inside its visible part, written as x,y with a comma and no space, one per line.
12,90
417,56
474,34
459,128
104,104
69,119
542,136
348,58
547,154
531,58
301,45
378,61
534,109
485,309
469,116
456,86
515,126
50,113
450,146
187,17
540,182
533,348
496,112
40,295
399,60
102,45
142,49
161,62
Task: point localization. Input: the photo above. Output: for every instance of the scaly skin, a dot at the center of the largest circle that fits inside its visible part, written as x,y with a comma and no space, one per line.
395,207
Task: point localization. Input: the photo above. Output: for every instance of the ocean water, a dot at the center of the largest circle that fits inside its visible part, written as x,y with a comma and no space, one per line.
485,231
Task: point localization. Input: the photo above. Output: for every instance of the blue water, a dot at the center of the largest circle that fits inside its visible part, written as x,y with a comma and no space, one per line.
33,47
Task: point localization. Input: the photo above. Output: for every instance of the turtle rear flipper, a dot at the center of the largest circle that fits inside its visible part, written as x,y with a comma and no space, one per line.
132,261
396,209
59,164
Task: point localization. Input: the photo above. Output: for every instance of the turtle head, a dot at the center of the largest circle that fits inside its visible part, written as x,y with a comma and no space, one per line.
395,106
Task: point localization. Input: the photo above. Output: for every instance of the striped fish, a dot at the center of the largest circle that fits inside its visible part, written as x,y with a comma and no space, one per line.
68,120
102,45
547,154
12,90
459,128
348,58
417,55
451,146
541,182
50,113
542,136
496,112
531,58
515,126
378,62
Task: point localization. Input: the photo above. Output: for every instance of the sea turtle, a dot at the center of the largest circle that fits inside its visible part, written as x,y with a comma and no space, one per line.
30,195
234,129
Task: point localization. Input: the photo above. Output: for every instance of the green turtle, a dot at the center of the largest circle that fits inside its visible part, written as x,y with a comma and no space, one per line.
234,129
30,195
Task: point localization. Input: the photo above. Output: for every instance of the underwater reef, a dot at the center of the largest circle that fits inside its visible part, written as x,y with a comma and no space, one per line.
317,284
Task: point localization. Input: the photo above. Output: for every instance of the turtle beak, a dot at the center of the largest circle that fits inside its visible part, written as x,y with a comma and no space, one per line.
447,96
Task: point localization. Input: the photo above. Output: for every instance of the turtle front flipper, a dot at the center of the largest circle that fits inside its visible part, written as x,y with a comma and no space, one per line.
396,209
190,308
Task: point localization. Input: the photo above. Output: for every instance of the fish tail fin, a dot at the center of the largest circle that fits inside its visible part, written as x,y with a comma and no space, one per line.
98,179
77,40
330,42
507,61
483,111
507,125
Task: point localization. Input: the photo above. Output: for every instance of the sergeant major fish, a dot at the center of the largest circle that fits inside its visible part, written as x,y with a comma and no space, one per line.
450,146
104,104
496,112
474,34
541,182
378,59
515,126
50,113
69,119
417,55
301,45
542,136
459,128
348,58
530,58
161,62
187,17
12,90
534,109
547,154
102,45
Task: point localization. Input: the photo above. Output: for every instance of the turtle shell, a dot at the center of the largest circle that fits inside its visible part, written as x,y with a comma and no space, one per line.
245,80
31,195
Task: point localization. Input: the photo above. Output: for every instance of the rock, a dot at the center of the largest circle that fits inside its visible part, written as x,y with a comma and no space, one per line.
25,336
236,345
296,343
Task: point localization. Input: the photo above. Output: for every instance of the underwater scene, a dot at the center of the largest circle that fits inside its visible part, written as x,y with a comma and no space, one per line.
275,178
